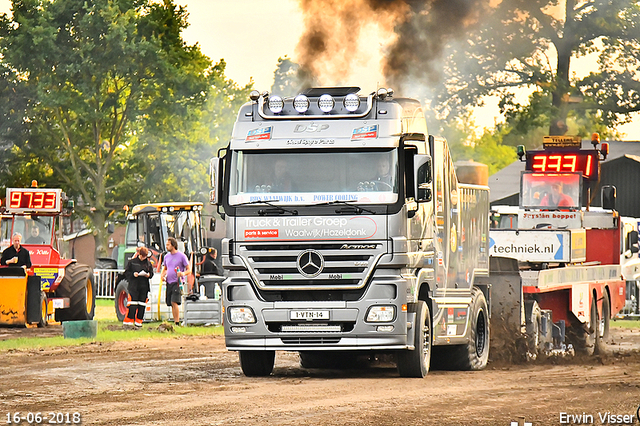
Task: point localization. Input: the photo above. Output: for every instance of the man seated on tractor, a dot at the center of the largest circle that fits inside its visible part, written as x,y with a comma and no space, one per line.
35,237
15,254
557,198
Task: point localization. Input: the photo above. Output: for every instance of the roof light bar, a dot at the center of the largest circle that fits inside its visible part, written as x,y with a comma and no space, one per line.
301,103
326,103
276,104
352,102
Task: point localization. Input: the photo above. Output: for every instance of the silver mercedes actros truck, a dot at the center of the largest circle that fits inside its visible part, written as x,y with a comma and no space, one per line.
347,231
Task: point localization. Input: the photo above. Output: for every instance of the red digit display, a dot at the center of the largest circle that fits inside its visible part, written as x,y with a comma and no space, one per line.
585,162
34,200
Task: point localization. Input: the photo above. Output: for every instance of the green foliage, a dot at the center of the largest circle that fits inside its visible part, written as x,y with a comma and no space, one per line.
106,100
488,148
169,161
532,45
289,78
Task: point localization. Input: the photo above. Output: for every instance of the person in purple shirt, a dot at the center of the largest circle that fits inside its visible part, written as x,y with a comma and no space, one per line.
174,266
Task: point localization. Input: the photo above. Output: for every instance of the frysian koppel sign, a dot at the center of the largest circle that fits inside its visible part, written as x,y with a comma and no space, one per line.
311,228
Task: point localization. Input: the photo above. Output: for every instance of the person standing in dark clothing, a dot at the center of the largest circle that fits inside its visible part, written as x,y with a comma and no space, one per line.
209,265
15,254
138,272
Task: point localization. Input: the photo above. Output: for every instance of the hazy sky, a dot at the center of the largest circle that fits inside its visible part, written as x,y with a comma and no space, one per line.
252,34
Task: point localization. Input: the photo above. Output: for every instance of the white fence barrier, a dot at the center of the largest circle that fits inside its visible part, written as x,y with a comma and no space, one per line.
105,281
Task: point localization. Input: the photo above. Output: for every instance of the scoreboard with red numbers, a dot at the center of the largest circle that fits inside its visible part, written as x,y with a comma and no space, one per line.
34,200
585,161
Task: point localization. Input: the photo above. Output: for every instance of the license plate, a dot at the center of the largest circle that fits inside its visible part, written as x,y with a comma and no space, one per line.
309,315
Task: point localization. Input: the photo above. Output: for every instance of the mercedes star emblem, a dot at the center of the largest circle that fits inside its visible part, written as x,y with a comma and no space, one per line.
310,263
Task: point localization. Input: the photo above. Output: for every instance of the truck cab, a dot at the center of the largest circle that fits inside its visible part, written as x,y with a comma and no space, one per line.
348,231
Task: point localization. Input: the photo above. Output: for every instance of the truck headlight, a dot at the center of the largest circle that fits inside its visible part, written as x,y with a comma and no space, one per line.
241,315
381,314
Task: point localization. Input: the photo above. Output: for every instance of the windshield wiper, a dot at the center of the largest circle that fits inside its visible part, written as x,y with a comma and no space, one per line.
276,208
350,208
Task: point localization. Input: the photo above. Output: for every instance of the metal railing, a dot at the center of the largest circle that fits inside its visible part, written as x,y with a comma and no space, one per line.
105,281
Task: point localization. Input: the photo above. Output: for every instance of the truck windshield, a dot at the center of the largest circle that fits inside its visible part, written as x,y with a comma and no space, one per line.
550,191
314,176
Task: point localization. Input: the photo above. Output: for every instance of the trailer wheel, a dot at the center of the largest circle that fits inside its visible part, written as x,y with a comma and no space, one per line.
603,324
43,310
534,324
475,354
583,337
257,363
78,286
121,299
416,363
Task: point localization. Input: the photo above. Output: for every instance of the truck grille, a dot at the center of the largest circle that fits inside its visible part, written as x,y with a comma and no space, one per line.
316,340
341,266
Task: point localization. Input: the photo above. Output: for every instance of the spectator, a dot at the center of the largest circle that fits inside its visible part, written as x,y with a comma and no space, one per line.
15,254
209,264
174,266
138,272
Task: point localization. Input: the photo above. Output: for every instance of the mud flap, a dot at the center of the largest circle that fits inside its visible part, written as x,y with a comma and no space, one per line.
34,294
507,309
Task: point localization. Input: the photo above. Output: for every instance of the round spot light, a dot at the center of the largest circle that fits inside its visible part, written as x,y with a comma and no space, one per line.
276,104
301,103
326,103
351,102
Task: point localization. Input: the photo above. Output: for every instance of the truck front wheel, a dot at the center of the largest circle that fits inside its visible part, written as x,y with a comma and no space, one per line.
416,362
257,363
77,285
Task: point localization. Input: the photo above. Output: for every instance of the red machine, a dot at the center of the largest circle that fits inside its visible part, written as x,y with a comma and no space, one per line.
53,287
557,277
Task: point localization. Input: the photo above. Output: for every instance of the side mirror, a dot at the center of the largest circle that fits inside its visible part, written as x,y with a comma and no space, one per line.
111,228
632,242
609,197
214,174
212,224
423,177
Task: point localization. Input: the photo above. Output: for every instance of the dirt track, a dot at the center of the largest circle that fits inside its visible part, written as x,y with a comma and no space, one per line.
195,381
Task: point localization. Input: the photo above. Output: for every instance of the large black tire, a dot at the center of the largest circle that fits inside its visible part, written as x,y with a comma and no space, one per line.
475,354
43,310
78,286
106,263
257,363
416,362
121,297
585,337
604,321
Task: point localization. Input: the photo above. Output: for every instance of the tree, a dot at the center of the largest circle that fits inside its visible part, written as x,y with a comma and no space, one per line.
170,158
532,45
89,76
289,78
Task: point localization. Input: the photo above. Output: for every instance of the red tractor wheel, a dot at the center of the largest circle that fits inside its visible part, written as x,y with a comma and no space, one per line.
122,298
